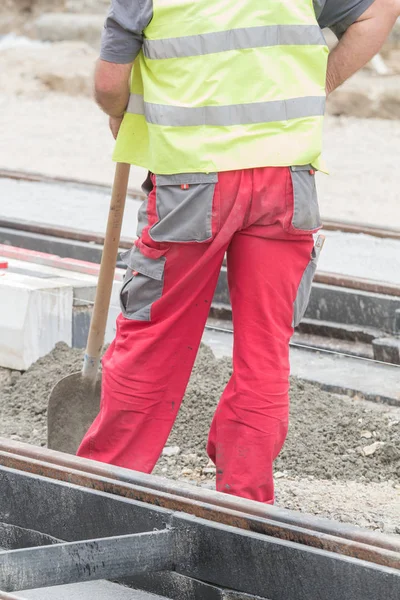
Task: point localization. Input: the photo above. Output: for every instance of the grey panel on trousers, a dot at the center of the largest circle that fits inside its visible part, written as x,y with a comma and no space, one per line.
139,291
304,291
225,116
233,39
180,178
306,215
147,184
142,220
185,215
100,590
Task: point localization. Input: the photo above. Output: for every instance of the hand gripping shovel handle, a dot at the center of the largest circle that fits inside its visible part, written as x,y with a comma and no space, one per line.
106,276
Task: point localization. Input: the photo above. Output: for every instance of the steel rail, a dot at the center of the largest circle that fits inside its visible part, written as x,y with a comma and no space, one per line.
349,227
40,178
79,235
65,233
228,510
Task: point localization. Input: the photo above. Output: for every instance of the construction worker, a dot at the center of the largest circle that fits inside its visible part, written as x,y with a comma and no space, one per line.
224,107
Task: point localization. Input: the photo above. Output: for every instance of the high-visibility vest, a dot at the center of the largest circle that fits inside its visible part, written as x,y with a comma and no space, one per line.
221,85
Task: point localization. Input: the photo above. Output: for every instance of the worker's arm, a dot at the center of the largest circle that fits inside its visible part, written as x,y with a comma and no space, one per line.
112,87
121,42
361,42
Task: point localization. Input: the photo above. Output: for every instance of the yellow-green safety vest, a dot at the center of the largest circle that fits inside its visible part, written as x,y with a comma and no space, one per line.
221,85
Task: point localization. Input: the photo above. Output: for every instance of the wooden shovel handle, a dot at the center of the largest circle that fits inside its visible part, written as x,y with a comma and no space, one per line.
106,275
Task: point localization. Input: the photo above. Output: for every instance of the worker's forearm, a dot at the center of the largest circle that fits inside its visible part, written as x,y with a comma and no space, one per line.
361,42
112,87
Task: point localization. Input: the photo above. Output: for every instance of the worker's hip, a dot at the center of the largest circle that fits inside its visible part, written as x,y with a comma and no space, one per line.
193,207
188,221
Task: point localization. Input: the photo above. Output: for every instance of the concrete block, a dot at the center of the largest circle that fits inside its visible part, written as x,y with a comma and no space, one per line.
353,307
36,313
82,313
397,321
59,274
80,326
387,350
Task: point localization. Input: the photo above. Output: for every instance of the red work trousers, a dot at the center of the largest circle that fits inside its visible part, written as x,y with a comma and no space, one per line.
263,219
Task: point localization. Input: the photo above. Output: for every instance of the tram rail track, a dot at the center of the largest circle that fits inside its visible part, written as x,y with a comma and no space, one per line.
71,234
312,531
65,521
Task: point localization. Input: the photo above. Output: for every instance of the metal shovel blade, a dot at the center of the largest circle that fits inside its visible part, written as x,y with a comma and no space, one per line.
73,405
75,400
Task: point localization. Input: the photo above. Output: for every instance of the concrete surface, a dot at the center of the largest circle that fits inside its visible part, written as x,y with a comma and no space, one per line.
360,255
355,255
93,590
64,205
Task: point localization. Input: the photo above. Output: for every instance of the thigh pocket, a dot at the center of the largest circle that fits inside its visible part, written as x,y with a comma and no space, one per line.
305,210
184,206
142,286
304,289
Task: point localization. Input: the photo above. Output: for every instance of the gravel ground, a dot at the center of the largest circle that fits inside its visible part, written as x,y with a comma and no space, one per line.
341,459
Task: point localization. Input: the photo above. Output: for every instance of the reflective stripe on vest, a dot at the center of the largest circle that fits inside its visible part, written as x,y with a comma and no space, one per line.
222,85
224,116
234,39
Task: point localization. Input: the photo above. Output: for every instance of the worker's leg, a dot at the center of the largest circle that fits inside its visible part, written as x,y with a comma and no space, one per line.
172,273
265,264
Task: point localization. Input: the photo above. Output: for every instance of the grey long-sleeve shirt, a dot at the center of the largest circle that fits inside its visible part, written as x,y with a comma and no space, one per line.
123,31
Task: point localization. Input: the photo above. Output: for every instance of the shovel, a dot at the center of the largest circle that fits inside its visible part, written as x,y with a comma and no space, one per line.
75,400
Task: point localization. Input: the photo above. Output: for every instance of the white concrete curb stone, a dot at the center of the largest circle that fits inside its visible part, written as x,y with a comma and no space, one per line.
35,314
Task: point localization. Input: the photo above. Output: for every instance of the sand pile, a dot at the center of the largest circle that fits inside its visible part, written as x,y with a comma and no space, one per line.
330,437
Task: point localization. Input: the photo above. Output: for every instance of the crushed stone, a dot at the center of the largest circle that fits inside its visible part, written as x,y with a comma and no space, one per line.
23,402
326,438
325,435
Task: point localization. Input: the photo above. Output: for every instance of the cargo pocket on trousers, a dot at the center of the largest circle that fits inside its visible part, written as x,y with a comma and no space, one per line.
142,286
184,205
304,290
306,217
142,218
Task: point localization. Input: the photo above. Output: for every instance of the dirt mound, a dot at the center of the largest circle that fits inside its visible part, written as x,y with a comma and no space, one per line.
330,437
35,69
23,403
